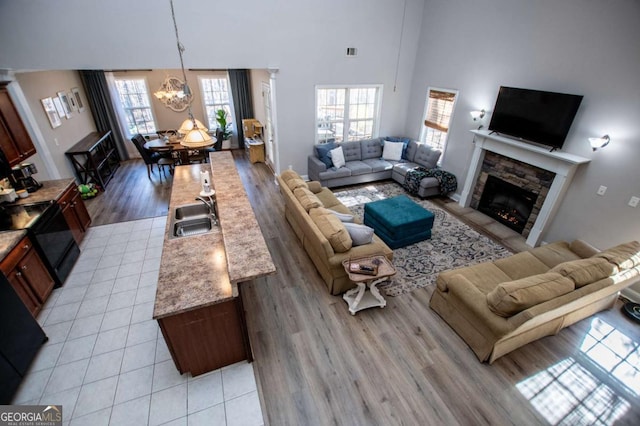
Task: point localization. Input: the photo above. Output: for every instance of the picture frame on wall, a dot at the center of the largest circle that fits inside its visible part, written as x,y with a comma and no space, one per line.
59,107
72,101
64,99
78,99
52,113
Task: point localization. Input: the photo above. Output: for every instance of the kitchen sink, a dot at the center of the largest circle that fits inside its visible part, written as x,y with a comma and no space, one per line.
191,219
197,226
191,210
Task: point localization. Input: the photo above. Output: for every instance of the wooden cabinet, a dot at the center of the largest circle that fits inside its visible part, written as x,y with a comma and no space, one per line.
15,141
208,338
75,212
28,275
95,158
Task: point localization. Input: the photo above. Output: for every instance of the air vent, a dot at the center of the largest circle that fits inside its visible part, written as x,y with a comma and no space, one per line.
352,51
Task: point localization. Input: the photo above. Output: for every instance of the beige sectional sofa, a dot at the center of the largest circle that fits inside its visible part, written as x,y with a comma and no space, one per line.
321,233
497,307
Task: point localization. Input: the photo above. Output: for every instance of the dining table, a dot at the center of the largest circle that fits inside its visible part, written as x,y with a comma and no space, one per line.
173,145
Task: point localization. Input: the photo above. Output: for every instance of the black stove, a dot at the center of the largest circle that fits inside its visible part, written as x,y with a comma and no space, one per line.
48,231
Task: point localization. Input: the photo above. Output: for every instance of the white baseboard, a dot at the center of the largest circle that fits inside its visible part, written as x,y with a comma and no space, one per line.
455,197
305,178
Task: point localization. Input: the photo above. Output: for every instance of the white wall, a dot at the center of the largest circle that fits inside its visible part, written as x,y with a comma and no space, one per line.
305,39
575,46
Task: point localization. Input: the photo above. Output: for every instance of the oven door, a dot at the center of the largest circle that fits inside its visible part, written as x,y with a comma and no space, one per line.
55,243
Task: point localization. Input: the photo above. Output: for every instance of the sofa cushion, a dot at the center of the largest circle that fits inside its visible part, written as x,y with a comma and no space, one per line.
360,234
337,157
322,152
332,229
308,200
358,168
625,256
296,183
585,271
378,165
427,157
314,186
410,153
334,173
521,265
352,150
371,148
511,297
555,253
392,150
344,217
289,174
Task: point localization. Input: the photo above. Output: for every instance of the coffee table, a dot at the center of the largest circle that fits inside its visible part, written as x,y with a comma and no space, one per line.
359,298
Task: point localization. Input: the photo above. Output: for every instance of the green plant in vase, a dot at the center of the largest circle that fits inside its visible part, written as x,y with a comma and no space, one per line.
221,118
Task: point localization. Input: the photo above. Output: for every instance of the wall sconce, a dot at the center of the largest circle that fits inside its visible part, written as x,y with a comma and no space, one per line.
477,115
597,143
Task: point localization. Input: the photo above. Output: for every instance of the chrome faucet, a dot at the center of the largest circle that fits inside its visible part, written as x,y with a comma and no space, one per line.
210,203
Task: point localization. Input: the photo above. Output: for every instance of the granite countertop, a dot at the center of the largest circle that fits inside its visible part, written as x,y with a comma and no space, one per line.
244,243
8,240
203,270
51,190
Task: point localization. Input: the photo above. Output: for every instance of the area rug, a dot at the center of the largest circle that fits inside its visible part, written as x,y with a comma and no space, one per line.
452,245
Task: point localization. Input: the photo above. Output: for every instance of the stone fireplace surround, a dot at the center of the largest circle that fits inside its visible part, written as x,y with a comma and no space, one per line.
563,164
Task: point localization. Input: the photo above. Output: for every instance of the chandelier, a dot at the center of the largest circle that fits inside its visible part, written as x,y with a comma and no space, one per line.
171,94
197,136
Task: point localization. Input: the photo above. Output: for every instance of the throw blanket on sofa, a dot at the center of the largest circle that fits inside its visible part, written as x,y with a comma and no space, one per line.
448,181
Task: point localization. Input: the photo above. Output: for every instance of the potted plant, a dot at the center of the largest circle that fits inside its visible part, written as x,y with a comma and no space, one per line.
221,118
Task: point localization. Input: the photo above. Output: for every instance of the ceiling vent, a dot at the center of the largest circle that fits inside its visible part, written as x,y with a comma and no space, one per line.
352,51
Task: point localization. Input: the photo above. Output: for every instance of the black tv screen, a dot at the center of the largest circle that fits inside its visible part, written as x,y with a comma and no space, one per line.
534,115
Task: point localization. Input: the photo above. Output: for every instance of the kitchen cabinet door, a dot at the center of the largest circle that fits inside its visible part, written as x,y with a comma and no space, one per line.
75,212
15,141
36,275
24,292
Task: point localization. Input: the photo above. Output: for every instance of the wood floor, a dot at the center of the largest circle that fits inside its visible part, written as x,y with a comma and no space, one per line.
402,365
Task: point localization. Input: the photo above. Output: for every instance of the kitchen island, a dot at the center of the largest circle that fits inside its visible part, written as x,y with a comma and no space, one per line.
198,301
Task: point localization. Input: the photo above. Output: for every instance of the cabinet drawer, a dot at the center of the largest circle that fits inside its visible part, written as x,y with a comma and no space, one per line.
67,196
15,256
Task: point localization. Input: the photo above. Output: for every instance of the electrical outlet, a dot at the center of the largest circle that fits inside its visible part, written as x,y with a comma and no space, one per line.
55,140
601,190
633,202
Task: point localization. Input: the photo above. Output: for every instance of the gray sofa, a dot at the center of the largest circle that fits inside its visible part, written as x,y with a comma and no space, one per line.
364,163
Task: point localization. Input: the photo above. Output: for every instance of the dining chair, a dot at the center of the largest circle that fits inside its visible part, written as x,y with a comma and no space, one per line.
150,158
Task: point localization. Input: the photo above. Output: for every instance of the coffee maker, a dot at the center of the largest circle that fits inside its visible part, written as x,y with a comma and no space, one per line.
21,177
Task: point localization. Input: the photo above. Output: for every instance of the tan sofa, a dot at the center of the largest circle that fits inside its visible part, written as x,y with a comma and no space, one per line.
315,229
497,307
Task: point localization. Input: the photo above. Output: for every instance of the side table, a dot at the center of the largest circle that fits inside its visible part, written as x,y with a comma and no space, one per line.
358,298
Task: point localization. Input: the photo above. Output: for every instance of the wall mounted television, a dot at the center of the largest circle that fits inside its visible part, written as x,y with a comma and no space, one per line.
534,115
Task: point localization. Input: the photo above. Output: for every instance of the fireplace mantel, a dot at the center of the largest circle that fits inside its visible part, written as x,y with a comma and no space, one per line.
563,164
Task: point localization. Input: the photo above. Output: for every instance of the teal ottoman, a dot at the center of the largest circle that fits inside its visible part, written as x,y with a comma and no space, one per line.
399,221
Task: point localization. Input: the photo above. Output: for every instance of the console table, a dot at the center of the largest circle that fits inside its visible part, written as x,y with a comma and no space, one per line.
95,158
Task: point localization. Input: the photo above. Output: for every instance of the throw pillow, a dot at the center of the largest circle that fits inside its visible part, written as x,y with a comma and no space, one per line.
392,150
296,183
314,186
405,142
360,234
511,297
308,200
322,151
337,157
342,216
585,271
332,229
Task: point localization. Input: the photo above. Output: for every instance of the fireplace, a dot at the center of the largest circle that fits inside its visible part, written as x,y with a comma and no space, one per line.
507,203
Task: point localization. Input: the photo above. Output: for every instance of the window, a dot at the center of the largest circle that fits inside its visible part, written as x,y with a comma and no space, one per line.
215,96
438,112
136,106
347,113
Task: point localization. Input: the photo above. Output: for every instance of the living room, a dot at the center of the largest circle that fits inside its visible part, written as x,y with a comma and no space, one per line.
579,46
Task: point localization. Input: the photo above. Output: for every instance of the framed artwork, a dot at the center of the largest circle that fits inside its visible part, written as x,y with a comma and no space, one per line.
64,99
59,108
72,101
78,99
52,113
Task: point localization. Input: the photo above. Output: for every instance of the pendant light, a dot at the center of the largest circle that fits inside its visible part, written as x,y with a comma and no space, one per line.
195,134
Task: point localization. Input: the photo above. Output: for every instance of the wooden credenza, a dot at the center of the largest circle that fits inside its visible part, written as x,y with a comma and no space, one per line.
95,158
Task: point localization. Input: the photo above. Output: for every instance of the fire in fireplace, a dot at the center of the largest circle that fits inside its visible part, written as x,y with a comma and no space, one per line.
507,203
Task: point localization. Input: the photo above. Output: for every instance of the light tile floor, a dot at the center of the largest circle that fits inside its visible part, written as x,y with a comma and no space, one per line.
106,361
